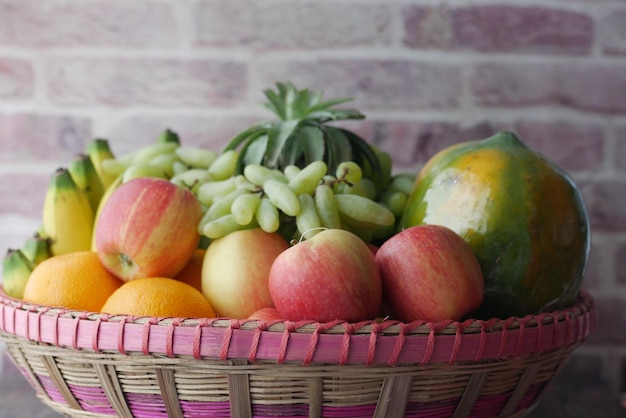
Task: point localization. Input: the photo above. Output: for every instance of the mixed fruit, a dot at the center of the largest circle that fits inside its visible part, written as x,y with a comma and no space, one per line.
298,219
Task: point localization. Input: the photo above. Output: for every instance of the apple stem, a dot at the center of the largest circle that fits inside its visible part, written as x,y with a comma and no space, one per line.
319,228
126,261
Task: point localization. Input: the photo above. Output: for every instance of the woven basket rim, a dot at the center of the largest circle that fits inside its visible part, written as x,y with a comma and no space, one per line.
387,342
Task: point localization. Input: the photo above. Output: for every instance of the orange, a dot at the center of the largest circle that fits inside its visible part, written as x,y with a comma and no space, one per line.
74,280
158,297
192,272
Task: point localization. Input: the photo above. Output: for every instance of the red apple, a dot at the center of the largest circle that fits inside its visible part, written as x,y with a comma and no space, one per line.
429,273
235,271
148,228
331,276
266,314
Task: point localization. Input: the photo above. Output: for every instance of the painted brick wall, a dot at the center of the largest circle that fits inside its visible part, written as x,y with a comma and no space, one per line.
426,73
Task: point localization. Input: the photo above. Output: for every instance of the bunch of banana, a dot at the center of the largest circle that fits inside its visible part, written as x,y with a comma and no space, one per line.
18,263
72,199
16,269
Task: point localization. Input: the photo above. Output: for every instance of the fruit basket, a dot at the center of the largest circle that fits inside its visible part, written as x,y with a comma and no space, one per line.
85,364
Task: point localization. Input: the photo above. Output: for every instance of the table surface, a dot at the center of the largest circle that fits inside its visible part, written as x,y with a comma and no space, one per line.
573,394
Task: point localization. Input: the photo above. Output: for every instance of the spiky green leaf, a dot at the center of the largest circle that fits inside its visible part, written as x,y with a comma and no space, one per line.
312,138
337,147
279,133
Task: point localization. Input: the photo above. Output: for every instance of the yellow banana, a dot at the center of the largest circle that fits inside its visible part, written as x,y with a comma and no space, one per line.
116,183
16,269
84,174
99,150
37,248
67,215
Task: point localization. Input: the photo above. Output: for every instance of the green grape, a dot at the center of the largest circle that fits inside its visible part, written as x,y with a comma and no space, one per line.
166,161
282,197
364,210
116,166
222,204
258,174
178,167
326,206
402,183
211,190
244,208
146,154
385,162
308,178
384,232
224,165
267,216
362,230
308,221
349,171
241,182
195,157
369,188
192,179
136,170
394,201
222,226
345,188
291,171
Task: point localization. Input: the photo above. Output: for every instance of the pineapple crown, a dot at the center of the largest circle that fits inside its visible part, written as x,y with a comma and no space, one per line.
302,133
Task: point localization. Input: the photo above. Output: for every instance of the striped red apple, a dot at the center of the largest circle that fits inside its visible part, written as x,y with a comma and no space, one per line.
148,228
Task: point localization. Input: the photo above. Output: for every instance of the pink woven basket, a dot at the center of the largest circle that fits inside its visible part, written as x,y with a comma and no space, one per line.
93,365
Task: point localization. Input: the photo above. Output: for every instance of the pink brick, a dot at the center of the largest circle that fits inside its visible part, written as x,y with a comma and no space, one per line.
619,155
612,28
606,203
428,27
585,86
23,193
99,23
414,142
384,85
211,132
33,136
620,263
115,81
16,79
572,146
284,24
499,29
610,320
523,29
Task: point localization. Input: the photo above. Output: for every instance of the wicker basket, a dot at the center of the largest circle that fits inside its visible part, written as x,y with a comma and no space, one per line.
90,365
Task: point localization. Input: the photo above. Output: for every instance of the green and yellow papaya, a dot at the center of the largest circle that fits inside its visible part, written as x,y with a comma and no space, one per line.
523,216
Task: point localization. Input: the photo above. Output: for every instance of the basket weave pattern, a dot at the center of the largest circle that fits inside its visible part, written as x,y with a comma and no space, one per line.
94,365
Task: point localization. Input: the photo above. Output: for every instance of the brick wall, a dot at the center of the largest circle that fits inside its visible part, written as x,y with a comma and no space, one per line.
426,73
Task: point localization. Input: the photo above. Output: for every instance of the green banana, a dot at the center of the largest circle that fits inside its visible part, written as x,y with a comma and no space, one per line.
67,215
84,174
99,150
16,269
169,136
37,248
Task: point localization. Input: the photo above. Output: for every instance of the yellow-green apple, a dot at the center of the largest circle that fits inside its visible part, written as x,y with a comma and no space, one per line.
236,268
147,228
330,276
429,273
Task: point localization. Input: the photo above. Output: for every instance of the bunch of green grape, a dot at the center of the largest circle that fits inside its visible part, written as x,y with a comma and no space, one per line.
296,202
300,202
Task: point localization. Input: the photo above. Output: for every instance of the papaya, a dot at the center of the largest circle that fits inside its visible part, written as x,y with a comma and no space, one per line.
523,216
